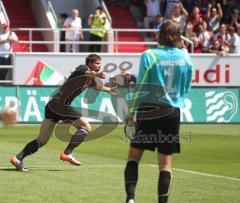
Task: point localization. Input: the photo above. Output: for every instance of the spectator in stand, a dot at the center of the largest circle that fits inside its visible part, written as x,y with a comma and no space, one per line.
158,22
179,15
170,4
235,20
226,6
97,21
222,35
234,42
203,6
214,16
197,46
189,34
60,23
157,25
196,19
74,33
7,37
189,31
204,36
153,9
216,48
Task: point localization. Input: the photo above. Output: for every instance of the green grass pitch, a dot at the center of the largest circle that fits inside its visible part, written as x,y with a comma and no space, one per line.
206,171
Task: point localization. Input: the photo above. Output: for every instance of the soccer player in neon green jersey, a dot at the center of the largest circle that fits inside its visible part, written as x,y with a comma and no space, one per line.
158,117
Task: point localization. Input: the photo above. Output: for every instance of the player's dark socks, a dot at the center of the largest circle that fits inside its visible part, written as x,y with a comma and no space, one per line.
131,178
29,149
164,184
76,140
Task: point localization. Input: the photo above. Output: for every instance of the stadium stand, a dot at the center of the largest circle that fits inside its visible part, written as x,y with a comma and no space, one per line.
21,16
122,18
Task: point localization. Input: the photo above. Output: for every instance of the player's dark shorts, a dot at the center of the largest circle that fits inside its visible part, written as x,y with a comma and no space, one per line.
57,111
160,130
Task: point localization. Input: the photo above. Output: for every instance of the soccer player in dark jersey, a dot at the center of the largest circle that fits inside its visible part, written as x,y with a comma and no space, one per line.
59,109
165,72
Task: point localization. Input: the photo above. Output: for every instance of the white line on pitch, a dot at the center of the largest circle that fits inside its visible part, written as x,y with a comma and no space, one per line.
207,174
141,165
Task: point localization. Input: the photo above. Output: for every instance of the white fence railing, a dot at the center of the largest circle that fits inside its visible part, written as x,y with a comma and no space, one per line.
112,38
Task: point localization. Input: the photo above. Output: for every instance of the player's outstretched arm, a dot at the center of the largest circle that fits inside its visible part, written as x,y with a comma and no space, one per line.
99,74
111,90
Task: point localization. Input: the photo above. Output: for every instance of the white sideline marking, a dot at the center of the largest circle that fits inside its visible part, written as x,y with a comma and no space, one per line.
141,165
207,174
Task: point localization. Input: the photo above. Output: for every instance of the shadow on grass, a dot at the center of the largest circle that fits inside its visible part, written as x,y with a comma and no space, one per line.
7,169
51,169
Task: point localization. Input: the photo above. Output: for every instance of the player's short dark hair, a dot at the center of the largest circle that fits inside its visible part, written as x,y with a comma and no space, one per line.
92,58
169,34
